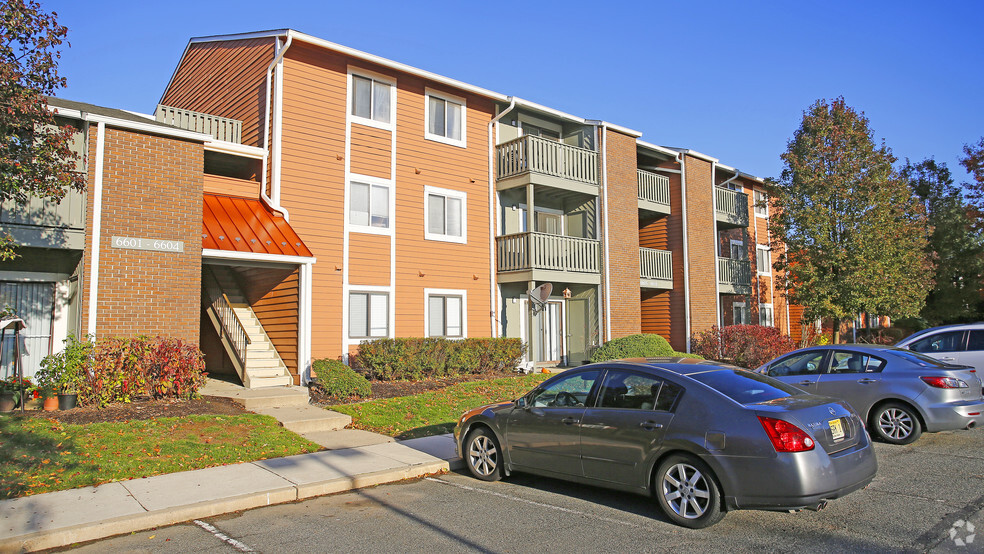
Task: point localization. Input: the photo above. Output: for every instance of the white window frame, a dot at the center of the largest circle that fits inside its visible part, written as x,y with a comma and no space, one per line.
369,294
772,315
463,141
768,266
757,197
735,306
461,293
741,245
446,193
391,205
376,77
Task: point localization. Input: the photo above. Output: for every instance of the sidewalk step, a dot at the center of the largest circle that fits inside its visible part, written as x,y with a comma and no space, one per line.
256,399
346,438
307,419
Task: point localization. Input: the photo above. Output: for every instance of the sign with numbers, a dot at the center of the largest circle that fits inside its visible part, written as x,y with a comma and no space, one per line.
160,245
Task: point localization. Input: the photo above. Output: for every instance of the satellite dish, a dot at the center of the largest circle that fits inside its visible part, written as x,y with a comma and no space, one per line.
539,296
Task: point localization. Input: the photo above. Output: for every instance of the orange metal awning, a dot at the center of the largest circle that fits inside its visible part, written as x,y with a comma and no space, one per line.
244,225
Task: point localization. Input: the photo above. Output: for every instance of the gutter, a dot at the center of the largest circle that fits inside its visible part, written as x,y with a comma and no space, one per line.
274,199
681,159
494,210
96,228
604,193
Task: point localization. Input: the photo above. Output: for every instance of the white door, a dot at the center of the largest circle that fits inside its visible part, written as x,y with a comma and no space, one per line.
32,302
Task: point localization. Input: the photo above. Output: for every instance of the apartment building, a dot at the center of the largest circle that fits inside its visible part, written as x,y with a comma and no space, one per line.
346,197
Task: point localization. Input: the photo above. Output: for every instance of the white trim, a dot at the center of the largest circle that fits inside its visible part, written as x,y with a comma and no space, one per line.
446,193
495,295
681,159
717,248
731,248
741,174
356,71
755,204
771,310
608,269
462,293
766,248
304,307
368,289
150,128
96,228
234,149
655,148
744,310
277,126
463,121
390,198
256,256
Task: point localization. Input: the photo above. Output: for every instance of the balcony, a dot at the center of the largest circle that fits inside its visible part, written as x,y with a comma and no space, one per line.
44,223
655,268
654,192
538,161
221,128
734,276
546,257
730,207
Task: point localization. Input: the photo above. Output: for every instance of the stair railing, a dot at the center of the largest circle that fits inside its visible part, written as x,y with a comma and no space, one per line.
233,331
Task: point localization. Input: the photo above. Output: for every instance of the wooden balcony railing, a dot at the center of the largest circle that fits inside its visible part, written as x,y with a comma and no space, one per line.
655,264
525,251
221,128
731,206
529,154
654,188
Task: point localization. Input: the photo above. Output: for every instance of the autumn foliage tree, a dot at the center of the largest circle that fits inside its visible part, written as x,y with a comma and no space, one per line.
854,237
35,159
973,162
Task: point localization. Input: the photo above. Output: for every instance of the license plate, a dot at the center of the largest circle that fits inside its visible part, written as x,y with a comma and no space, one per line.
836,429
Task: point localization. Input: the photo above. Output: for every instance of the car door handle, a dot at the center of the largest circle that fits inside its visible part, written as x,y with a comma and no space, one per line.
569,420
948,358
806,382
867,381
650,425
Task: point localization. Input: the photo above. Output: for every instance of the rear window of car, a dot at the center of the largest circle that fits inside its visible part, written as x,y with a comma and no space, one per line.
745,387
916,358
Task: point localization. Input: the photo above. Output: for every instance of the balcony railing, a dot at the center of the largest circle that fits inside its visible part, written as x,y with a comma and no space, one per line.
529,154
525,251
221,128
734,276
654,188
731,206
655,264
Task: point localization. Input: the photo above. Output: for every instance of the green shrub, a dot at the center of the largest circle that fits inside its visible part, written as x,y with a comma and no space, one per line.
423,358
339,380
634,346
65,371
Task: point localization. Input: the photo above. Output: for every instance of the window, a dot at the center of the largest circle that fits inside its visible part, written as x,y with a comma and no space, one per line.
803,363
444,316
445,119
740,312
569,391
368,315
371,99
854,362
445,215
745,387
763,261
765,315
738,250
976,340
761,203
632,391
950,341
369,205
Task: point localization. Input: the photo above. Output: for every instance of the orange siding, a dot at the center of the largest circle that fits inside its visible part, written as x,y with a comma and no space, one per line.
664,312
217,184
272,293
369,259
371,151
227,79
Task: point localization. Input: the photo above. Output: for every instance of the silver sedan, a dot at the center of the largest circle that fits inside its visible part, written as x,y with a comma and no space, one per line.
898,392
701,437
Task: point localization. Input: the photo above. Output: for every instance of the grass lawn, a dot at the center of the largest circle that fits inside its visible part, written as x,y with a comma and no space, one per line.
435,412
40,455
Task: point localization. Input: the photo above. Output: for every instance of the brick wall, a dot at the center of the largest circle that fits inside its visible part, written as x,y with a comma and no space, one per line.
152,189
623,242
702,244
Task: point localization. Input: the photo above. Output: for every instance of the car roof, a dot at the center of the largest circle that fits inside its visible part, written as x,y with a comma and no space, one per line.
681,366
849,346
955,326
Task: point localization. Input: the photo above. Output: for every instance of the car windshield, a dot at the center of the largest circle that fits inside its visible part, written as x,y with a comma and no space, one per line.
918,359
745,387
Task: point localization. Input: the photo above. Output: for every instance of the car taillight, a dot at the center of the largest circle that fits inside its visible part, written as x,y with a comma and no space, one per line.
785,436
944,382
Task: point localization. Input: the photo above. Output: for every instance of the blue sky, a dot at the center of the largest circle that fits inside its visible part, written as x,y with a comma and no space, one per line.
729,79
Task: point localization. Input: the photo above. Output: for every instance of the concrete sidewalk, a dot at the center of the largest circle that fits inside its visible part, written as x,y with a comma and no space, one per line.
63,518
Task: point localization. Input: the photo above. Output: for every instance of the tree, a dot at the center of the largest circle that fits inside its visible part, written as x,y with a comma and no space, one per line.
854,238
954,244
974,164
35,159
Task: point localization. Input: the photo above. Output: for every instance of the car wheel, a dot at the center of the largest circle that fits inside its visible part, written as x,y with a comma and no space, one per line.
896,423
483,456
687,492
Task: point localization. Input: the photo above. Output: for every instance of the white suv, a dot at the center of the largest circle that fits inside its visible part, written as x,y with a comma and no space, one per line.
956,344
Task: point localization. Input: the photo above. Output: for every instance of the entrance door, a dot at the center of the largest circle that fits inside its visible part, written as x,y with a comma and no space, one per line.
551,333
34,303
577,330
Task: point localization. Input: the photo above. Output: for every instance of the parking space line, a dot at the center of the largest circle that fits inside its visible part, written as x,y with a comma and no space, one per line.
223,537
532,502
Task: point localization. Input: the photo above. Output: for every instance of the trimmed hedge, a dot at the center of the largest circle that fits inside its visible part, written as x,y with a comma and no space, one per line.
636,346
422,358
746,346
339,380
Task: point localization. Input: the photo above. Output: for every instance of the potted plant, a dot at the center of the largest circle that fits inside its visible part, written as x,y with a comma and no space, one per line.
9,394
63,372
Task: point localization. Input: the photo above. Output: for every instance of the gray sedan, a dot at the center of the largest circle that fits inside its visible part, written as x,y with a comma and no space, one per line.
898,392
701,437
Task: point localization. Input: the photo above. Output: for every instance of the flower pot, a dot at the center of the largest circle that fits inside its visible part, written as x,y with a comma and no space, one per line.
7,402
51,404
67,401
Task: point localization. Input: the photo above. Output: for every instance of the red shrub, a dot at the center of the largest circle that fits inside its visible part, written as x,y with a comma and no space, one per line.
743,345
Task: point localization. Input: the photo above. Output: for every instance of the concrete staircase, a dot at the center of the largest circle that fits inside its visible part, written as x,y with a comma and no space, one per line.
264,367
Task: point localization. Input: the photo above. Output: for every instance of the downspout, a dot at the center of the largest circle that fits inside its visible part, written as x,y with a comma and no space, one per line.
604,193
681,159
274,199
717,245
96,228
494,211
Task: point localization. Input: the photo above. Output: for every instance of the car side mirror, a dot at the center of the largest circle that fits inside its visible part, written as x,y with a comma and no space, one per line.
521,403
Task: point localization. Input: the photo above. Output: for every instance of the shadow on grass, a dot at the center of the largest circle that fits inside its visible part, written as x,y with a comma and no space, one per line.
30,455
426,431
